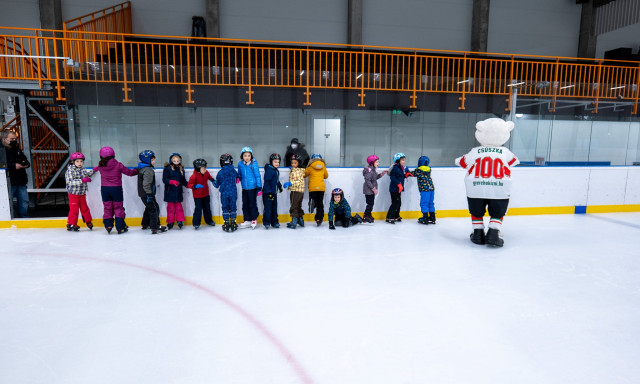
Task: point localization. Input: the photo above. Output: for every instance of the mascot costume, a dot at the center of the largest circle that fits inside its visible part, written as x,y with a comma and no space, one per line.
488,179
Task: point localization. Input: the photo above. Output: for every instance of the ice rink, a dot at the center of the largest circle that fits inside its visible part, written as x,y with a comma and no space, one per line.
373,304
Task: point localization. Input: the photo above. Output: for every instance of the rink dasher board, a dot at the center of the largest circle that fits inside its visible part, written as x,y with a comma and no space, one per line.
536,190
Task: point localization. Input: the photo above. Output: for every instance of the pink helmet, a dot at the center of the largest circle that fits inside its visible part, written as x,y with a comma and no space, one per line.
372,159
76,156
107,152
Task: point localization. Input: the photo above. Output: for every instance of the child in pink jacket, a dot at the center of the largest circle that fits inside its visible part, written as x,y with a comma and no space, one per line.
111,171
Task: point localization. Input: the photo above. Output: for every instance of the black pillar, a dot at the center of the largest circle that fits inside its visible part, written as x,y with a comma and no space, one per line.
588,39
354,26
480,26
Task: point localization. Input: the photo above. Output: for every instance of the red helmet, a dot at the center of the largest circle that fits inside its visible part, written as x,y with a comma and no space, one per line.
372,159
76,156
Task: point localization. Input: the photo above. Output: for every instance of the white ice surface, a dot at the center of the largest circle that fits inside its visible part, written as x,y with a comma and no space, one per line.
407,303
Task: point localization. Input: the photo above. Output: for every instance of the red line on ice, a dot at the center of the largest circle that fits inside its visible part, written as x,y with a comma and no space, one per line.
297,367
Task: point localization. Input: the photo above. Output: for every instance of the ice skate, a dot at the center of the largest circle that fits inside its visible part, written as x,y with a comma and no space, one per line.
123,230
244,224
276,225
266,226
73,228
424,219
493,238
226,226
293,224
196,227
478,236
169,226
390,221
368,219
432,218
144,227
90,226
358,218
158,230
398,219
212,224
232,225
301,221
318,223
108,229
254,223
180,224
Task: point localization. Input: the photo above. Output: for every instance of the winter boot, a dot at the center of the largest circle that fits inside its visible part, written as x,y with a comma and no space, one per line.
424,219
169,226
180,224
293,224
90,226
160,229
478,236
493,238
233,226
301,222
432,218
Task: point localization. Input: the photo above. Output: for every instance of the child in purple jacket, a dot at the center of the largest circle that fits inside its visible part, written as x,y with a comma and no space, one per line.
111,171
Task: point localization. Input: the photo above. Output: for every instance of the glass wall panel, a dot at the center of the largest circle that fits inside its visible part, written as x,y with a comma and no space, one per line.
209,132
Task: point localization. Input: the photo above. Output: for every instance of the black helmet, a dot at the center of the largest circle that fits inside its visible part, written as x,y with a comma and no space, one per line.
297,158
226,159
338,192
199,163
274,156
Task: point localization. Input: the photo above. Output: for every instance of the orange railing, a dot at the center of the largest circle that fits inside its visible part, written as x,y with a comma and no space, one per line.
107,25
191,62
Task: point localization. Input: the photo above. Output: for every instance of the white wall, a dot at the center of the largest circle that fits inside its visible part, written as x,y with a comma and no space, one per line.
533,187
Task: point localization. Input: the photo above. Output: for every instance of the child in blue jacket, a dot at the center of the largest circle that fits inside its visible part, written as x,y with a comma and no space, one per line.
425,186
226,181
340,211
251,187
397,173
270,191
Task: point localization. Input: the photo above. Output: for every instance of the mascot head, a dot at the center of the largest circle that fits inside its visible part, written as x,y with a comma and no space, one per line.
493,131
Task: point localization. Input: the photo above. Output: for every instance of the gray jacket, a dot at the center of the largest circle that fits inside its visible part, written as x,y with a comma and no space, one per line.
371,177
146,182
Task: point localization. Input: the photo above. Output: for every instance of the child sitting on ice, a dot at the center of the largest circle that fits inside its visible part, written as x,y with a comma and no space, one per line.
340,211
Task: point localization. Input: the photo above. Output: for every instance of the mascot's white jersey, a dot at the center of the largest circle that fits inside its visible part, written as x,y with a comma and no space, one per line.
488,172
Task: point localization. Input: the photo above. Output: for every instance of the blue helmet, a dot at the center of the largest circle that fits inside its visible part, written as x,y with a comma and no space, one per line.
398,156
246,149
316,156
145,156
423,160
175,154
338,192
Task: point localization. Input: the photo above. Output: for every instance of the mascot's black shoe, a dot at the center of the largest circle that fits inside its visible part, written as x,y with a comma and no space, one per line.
493,238
477,236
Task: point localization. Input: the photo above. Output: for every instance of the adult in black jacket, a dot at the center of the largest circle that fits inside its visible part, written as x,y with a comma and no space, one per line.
296,148
17,165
